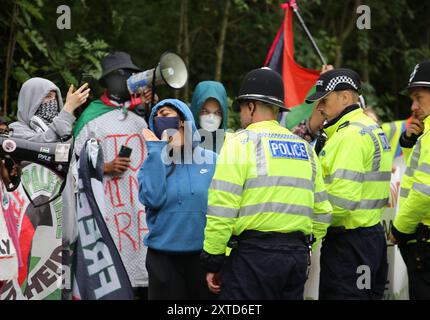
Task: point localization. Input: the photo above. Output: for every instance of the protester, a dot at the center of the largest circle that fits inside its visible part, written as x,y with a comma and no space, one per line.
210,111
356,162
4,126
9,176
411,226
10,259
310,129
174,193
268,193
42,118
113,122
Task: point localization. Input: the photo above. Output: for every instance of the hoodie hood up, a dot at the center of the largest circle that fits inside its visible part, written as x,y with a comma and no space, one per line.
31,95
205,90
184,110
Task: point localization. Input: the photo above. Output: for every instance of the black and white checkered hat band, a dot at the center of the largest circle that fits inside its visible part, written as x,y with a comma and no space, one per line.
341,79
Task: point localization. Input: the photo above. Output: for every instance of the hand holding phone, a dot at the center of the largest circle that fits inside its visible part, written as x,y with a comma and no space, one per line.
125,152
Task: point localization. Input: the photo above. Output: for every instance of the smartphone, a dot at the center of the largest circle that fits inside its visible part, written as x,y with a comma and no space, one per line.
125,152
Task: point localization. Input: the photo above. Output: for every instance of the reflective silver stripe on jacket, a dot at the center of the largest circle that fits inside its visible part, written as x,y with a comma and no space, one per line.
393,129
323,218
279,181
414,160
218,211
321,196
404,192
358,176
423,188
275,207
424,167
226,186
377,156
365,204
313,163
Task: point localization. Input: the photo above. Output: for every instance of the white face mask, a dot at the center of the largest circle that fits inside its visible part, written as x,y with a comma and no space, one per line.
210,122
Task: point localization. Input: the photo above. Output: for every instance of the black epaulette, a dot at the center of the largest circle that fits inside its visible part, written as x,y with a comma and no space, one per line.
343,125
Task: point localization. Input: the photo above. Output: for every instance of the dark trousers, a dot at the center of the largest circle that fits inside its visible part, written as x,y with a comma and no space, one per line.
262,269
140,293
418,270
176,277
347,261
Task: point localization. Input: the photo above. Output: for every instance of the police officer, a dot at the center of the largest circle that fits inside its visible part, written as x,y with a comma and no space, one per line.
356,164
411,225
268,193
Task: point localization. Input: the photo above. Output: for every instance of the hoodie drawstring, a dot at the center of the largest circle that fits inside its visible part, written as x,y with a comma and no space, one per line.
178,183
190,181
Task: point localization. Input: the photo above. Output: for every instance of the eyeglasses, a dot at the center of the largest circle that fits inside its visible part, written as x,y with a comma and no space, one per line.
205,112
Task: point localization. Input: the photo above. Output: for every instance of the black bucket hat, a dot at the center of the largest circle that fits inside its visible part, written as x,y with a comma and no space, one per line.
264,85
335,80
115,61
420,76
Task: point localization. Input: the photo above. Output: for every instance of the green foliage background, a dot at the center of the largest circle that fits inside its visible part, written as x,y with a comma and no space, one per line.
384,55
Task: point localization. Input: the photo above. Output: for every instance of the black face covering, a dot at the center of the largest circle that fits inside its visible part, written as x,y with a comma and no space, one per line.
116,84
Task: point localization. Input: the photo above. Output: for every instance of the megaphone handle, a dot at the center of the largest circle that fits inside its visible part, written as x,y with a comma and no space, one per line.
151,103
153,86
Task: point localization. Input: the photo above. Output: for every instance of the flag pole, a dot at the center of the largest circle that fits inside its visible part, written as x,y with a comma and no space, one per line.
293,4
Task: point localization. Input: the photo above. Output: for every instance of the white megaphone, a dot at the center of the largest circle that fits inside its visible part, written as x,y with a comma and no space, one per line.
171,70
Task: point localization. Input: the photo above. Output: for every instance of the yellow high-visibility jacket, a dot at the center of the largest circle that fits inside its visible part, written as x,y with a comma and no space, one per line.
266,179
356,162
415,186
393,130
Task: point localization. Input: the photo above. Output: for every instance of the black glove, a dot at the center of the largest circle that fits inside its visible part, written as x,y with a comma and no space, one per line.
401,237
212,262
406,142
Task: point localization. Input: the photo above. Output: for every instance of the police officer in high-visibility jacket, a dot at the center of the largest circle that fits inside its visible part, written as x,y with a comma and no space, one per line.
267,196
356,162
411,225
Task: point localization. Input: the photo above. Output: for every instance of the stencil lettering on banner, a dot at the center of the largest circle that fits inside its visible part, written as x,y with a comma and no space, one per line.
4,247
46,275
101,261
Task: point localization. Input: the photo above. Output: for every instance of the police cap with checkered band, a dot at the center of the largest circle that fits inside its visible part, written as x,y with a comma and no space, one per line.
420,76
335,80
264,85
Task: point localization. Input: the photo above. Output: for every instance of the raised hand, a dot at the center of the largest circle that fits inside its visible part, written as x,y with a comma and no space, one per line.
77,98
148,135
415,127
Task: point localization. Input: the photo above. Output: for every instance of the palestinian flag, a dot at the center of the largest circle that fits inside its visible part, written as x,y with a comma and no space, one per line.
298,81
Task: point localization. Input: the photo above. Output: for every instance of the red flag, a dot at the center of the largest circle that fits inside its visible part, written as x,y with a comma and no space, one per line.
297,79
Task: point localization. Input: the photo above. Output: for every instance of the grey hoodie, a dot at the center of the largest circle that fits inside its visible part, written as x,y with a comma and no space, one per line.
31,95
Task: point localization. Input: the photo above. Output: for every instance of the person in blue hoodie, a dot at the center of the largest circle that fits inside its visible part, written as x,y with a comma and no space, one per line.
210,110
173,185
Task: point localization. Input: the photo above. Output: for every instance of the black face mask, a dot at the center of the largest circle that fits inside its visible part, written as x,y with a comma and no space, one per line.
116,84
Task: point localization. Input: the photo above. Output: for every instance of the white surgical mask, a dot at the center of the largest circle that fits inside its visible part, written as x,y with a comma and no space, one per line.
210,122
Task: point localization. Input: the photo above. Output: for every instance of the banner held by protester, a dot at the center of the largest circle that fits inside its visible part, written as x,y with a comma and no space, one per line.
99,273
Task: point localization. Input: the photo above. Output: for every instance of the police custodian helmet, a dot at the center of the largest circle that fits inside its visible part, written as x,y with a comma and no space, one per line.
264,85
420,76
